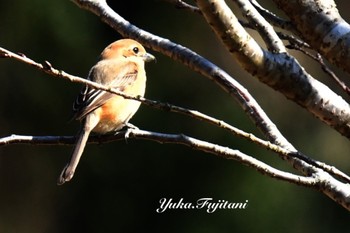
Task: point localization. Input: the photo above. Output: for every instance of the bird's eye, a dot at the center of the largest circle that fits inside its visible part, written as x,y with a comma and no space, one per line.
136,50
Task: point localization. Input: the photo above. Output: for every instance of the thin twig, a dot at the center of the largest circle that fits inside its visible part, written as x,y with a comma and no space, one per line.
266,31
318,58
194,143
326,69
293,40
272,18
184,5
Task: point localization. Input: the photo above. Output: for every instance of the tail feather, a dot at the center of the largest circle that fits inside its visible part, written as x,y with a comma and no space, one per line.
68,172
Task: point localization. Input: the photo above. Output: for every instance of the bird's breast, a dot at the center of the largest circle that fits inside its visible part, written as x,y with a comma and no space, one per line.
117,111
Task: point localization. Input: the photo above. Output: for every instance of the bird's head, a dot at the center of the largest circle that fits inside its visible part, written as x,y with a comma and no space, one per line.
126,48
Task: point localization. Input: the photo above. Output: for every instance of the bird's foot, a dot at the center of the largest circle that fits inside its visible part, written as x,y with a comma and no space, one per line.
129,127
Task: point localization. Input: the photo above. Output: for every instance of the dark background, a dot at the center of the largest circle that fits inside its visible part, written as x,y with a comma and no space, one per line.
118,185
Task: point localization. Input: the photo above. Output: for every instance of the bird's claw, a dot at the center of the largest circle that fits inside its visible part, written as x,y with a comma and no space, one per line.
129,128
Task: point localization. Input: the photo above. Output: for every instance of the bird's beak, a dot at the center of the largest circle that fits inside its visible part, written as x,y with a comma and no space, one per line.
148,57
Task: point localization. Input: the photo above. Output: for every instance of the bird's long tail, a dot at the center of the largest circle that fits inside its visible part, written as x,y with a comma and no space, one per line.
68,172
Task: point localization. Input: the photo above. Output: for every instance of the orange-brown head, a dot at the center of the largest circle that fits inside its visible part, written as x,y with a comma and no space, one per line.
126,48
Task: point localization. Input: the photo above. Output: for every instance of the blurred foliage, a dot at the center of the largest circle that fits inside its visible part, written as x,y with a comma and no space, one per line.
117,186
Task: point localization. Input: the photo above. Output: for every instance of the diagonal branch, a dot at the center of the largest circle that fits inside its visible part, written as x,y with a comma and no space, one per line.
272,18
184,5
266,31
318,58
322,27
280,71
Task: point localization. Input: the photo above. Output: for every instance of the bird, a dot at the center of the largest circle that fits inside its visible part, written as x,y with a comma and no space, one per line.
121,66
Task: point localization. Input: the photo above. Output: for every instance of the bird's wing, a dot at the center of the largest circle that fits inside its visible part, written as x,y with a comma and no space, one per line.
89,98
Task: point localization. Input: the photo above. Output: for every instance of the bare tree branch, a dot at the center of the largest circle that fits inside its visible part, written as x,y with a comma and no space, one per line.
293,40
266,31
320,181
280,71
272,18
196,144
317,57
183,5
324,29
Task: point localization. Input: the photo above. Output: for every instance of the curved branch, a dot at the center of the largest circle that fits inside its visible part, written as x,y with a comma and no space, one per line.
320,180
280,71
194,143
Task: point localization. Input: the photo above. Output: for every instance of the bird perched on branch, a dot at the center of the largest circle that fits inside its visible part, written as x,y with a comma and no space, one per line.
121,66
